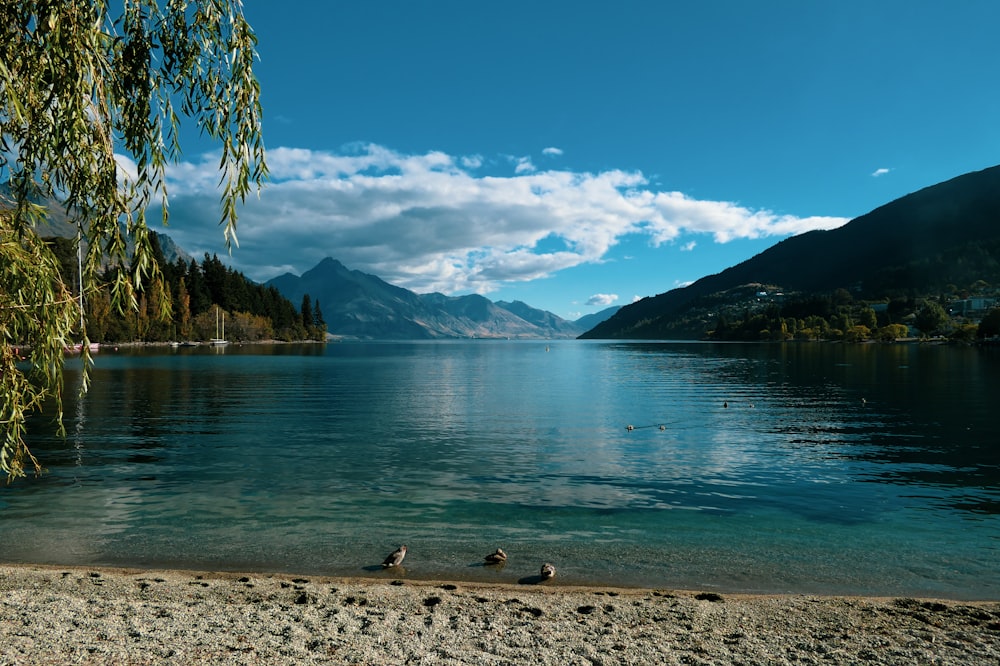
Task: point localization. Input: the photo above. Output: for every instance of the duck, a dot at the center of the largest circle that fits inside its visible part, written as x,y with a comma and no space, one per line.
395,558
496,557
548,571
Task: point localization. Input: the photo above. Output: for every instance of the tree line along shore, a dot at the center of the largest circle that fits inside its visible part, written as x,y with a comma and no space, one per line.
195,297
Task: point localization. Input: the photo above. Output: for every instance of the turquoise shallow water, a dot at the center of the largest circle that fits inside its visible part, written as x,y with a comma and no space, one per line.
763,468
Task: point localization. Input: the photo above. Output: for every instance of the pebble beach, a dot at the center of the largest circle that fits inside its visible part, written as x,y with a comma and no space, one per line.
62,615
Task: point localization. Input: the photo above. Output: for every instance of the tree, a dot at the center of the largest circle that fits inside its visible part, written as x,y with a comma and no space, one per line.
890,333
867,317
81,92
857,333
318,316
964,333
990,325
307,313
931,318
182,311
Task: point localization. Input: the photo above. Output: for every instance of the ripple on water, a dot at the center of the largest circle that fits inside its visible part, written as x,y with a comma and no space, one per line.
769,473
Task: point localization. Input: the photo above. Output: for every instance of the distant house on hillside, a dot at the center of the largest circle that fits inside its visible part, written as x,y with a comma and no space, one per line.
764,296
972,307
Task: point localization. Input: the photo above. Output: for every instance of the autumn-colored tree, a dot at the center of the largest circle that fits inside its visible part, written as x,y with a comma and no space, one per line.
182,311
86,86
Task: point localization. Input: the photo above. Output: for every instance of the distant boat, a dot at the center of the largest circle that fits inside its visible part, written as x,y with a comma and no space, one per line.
219,340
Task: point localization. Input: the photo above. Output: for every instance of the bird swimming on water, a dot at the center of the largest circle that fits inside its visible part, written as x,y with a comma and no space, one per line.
496,557
395,558
548,571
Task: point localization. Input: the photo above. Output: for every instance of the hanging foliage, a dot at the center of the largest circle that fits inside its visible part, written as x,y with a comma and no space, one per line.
84,90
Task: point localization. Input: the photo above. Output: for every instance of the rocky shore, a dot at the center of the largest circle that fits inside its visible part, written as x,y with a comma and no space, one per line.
55,615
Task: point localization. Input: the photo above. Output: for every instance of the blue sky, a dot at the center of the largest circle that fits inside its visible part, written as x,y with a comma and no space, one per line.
575,155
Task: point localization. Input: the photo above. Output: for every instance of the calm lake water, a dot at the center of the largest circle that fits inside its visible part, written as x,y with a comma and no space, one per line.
825,468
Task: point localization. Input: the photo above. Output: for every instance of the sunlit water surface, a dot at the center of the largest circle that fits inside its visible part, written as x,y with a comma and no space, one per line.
758,468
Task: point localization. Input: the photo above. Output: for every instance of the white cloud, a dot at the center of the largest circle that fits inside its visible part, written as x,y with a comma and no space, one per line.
726,221
435,222
552,151
128,171
602,299
880,172
637,298
687,247
523,165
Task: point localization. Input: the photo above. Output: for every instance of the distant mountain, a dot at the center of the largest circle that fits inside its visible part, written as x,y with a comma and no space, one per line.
588,322
542,318
943,234
171,250
359,305
59,224
356,304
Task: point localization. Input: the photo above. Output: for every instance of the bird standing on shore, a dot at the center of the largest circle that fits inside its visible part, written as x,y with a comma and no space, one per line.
395,558
548,571
496,557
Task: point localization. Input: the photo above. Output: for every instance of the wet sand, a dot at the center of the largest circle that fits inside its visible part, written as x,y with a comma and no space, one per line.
58,615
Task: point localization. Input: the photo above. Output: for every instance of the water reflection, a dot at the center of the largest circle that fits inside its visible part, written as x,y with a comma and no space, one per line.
768,454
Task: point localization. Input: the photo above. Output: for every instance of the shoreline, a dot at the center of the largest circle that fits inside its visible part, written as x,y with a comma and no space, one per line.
473,574
98,615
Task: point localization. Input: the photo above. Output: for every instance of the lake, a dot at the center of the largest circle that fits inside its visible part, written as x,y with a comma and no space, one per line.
805,468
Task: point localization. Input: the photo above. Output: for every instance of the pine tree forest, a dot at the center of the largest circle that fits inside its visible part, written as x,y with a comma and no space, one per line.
196,295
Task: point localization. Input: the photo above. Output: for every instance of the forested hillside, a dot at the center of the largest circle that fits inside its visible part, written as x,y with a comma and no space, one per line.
194,291
910,260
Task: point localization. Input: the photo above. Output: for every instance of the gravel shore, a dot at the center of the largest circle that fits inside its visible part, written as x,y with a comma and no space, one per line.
62,615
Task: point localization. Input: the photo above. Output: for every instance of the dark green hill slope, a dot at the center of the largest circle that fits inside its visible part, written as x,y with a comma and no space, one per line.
946,233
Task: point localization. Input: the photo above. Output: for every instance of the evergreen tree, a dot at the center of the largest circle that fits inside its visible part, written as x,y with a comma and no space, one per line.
201,299
80,84
214,273
307,314
318,317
